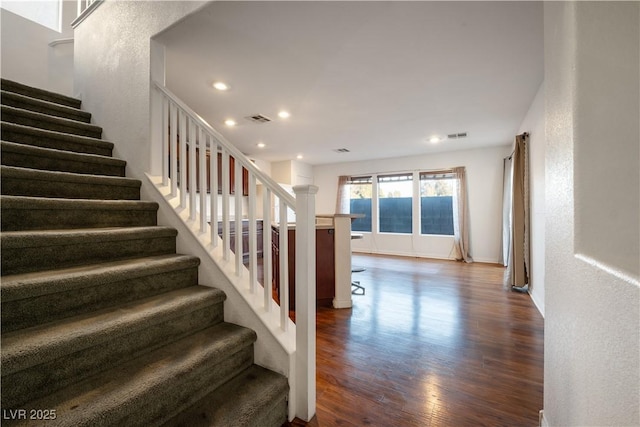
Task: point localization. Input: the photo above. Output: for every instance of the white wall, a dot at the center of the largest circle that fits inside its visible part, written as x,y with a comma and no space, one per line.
112,75
27,57
484,175
292,172
112,68
592,299
533,123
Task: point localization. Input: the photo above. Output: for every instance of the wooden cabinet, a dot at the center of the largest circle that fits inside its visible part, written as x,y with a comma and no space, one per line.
232,176
245,238
325,265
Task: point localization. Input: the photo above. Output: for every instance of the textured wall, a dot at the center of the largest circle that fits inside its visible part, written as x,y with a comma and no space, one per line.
592,313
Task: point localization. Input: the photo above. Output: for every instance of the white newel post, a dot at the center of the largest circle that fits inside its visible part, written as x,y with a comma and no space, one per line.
305,301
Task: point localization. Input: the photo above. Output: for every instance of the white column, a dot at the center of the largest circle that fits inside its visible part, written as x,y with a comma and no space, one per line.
305,301
342,243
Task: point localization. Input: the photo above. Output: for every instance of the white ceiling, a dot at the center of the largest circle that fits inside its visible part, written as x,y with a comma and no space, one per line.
377,78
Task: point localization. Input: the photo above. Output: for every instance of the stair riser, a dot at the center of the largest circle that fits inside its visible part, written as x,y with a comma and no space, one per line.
48,123
19,186
165,403
40,380
43,139
256,398
98,295
15,87
17,260
58,219
60,165
276,415
37,107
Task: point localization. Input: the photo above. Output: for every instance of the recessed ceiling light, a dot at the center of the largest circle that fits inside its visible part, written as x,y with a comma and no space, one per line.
299,156
435,139
261,145
221,86
230,122
284,114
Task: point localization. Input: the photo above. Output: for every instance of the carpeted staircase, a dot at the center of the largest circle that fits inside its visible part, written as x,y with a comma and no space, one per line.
102,322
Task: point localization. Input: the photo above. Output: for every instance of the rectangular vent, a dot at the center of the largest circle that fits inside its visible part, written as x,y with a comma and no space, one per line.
258,118
342,150
457,135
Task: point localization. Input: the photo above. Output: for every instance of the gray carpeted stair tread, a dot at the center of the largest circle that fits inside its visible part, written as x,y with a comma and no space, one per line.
15,87
21,213
155,387
29,285
40,344
32,157
32,299
45,121
28,251
247,400
44,138
17,181
16,100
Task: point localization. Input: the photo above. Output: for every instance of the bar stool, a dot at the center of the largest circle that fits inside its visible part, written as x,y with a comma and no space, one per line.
357,289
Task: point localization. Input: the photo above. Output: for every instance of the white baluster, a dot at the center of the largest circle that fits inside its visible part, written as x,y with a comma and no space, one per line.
183,159
267,268
202,143
213,185
225,206
173,151
192,170
253,238
165,141
238,216
284,267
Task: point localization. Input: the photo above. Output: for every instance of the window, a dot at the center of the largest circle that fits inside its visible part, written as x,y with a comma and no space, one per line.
395,198
360,193
436,203
45,13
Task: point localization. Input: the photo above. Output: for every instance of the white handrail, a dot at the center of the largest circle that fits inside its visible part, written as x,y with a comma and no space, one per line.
233,151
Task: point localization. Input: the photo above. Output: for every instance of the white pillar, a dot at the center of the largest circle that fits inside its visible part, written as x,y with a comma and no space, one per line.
305,361
342,238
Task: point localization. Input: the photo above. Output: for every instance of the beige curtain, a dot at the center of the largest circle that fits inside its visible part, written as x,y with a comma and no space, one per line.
461,216
519,262
342,201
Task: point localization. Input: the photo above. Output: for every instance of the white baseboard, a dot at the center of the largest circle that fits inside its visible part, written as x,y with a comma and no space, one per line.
342,303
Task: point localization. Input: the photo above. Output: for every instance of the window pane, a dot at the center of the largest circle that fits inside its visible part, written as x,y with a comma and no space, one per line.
436,206
360,203
395,197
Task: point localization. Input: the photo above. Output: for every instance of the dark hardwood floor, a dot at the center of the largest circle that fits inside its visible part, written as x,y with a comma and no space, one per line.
431,343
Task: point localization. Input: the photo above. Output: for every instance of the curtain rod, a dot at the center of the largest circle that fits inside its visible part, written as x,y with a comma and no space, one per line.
525,134
446,170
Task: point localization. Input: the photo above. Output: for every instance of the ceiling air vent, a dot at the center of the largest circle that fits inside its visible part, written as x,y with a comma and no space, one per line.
457,135
258,118
342,150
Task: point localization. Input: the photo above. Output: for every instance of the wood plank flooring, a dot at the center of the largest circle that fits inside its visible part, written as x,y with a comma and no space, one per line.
431,343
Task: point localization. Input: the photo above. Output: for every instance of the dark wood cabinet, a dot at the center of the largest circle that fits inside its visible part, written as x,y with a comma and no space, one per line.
232,176
245,238
325,266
